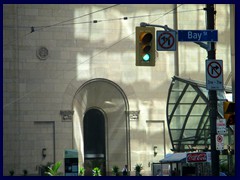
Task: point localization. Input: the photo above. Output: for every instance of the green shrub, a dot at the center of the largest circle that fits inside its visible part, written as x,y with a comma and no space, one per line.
138,168
11,172
115,170
96,171
81,171
53,170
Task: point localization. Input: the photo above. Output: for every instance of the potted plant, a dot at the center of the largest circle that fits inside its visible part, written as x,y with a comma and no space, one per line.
11,172
43,168
96,171
53,170
115,170
138,168
81,171
25,172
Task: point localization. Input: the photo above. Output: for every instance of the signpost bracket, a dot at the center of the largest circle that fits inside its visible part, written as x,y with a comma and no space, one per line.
166,28
205,46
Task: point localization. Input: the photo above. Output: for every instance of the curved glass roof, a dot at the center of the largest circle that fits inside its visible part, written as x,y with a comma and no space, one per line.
188,114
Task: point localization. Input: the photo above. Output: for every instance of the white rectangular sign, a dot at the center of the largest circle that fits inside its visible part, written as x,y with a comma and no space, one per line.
214,74
221,126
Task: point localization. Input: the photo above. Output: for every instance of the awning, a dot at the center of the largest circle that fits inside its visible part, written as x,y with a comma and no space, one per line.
188,114
174,158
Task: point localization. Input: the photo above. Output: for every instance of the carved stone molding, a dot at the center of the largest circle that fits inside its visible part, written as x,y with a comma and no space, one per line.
42,53
133,115
66,115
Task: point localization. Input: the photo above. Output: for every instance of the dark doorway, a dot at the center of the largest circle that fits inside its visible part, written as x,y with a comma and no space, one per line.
94,141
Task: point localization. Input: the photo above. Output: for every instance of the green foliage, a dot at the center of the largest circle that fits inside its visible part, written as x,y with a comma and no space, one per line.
90,164
115,170
53,170
96,171
224,167
44,168
138,168
11,172
25,172
81,171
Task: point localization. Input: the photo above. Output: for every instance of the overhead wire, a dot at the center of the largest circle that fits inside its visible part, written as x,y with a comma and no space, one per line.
124,38
56,24
115,44
63,23
33,29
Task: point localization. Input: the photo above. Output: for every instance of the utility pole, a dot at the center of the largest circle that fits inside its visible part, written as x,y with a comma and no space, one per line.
212,95
213,112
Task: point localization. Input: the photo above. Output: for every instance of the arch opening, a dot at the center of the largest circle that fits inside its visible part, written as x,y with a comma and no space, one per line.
100,106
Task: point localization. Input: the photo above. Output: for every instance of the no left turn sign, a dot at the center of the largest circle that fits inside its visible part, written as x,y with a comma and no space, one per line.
166,40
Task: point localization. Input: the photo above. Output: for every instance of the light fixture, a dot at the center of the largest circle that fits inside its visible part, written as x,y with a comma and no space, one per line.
155,150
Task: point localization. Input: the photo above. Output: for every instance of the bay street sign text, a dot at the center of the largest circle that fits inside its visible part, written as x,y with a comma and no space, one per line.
198,35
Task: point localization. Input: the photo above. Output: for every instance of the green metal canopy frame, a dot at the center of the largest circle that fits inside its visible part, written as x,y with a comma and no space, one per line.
188,114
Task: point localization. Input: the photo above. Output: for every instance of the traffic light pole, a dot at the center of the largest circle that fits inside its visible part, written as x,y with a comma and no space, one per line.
210,48
212,95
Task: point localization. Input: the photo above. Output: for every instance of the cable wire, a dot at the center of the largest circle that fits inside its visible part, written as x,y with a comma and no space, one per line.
97,53
60,24
56,24
34,29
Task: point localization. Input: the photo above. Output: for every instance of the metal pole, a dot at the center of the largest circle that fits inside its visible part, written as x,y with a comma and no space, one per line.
176,54
212,95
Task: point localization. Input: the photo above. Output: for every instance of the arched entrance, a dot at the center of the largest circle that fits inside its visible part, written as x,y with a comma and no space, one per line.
94,141
101,106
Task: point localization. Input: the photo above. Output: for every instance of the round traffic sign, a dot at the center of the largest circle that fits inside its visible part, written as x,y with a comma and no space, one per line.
166,40
214,69
219,138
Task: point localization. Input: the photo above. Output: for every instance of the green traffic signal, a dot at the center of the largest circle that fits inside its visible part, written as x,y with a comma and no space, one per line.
146,57
145,46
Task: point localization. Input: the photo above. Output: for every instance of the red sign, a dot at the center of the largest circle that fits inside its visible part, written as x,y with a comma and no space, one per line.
196,157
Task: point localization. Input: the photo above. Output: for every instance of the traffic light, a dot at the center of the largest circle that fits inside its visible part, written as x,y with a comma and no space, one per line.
229,112
145,46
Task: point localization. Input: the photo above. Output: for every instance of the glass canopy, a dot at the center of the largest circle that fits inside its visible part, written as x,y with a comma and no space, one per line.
188,114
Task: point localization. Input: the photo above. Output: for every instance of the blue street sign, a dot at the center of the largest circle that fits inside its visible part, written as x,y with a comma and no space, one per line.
198,35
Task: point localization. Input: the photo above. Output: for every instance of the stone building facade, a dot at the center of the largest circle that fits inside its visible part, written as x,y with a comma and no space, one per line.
64,61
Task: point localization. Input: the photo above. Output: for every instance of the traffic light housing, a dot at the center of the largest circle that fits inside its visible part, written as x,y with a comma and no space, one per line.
229,112
145,46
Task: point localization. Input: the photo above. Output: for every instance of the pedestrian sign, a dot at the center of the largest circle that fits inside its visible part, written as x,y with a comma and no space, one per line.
166,40
214,74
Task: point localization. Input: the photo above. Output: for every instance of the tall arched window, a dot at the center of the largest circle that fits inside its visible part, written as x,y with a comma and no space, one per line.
94,133
94,139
